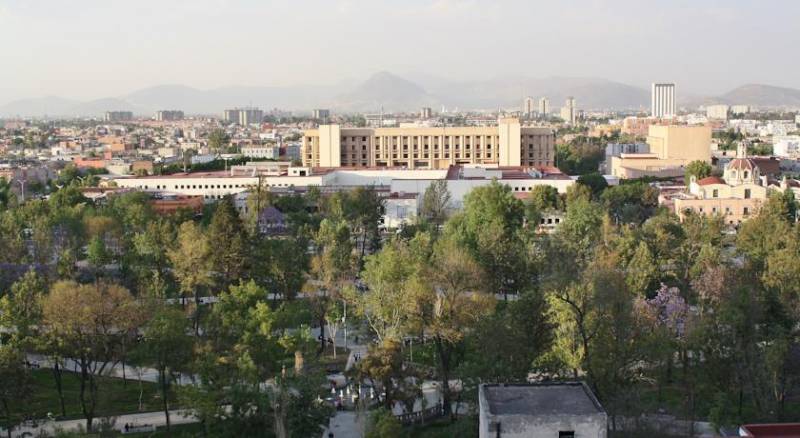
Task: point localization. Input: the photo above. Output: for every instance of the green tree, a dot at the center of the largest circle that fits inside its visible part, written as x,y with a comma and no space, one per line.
166,345
227,237
383,424
436,200
698,169
191,263
89,323
596,182
15,385
218,140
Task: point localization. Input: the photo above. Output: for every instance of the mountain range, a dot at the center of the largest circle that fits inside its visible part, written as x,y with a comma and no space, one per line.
389,92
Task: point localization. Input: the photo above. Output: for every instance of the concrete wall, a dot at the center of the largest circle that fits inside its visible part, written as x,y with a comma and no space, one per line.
330,146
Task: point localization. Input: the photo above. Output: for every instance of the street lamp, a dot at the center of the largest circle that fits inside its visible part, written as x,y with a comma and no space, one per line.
22,185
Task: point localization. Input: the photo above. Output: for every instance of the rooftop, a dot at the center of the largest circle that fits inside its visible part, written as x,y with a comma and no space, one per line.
570,398
775,430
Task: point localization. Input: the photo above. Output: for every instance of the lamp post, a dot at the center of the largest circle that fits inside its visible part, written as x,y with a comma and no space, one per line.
344,323
22,186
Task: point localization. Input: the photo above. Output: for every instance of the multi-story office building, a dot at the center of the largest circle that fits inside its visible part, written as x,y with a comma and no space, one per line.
569,111
243,116
169,115
544,106
740,109
528,106
718,112
320,114
507,144
425,113
118,116
662,100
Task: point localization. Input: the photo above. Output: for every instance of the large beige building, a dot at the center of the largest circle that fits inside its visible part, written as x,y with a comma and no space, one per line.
672,147
507,144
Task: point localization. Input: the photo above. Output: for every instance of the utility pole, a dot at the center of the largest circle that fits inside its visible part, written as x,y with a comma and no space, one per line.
22,185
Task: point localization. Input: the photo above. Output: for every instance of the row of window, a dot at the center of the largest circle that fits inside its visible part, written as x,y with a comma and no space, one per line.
728,210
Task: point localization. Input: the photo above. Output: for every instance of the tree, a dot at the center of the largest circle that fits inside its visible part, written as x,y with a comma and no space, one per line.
98,255
332,268
596,182
191,262
218,140
391,277
544,197
506,344
490,228
166,345
7,197
698,169
383,424
227,237
89,323
384,364
435,205
15,385
451,304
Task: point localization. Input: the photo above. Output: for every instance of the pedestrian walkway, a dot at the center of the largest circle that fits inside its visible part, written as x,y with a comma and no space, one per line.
130,372
346,424
156,419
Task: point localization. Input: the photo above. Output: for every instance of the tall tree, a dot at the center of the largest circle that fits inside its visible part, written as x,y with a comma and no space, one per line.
166,345
191,263
436,201
89,323
227,237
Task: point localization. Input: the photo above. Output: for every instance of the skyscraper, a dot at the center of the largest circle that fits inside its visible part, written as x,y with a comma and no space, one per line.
569,111
544,106
662,100
528,107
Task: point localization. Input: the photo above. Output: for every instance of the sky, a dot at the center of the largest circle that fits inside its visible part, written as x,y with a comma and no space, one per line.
87,49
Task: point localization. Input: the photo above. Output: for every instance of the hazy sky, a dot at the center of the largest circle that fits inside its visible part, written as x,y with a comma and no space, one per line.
98,48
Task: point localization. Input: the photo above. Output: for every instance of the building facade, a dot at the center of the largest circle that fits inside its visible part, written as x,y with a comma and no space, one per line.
118,116
169,115
528,107
717,112
320,114
671,148
662,100
507,144
243,116
544,106
569,110
737,196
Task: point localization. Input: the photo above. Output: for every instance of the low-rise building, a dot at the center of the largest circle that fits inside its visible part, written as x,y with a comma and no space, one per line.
736,196
262,151
540,410
671,147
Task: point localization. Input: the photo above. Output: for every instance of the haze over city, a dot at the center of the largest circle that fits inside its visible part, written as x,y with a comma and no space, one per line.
95,49
399,219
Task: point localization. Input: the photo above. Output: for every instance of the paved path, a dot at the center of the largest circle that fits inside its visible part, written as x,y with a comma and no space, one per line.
346,424
131,372
157,419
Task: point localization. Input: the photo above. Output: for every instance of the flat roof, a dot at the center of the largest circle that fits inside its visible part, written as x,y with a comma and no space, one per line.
568,398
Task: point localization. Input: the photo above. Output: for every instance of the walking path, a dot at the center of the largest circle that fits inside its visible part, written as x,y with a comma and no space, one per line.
156,419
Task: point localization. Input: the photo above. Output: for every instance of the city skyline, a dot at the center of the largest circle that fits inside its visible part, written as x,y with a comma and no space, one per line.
99,50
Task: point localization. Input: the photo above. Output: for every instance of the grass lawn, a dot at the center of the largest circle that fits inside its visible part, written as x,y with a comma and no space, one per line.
114,396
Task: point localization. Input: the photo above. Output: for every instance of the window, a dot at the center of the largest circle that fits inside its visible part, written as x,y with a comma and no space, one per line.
746,211
746,174
715,193
566,434
746,193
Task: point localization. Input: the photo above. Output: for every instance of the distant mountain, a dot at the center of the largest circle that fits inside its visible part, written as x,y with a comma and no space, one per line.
44,106
386,90
763,96
393,93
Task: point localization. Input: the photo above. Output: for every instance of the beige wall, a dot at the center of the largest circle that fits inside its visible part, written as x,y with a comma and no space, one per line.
637,167
508,144
734,211
688,143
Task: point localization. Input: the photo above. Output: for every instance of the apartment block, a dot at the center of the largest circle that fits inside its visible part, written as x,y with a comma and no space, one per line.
507,144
